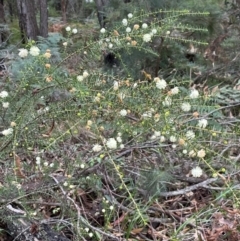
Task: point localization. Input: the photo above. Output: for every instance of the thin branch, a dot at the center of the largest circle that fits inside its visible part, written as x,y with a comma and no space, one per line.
188,189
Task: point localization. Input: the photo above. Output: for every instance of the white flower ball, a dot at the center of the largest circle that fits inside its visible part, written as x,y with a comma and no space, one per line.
197,172
154,31
96,99
157,133
68,28
190,135
194,94
123,112
5,105
115,85
38,160
85,74
134,85
147,37
121,146
162,139
121,96
119,139
23,53
174,146
185,107
147,115
34,51
167,101
192,153
201,153
125,22
111,143
7,132
3,94
103,30
153,137
175,91
97,148
173,138
130,15
128,29
80,78
74,31
202,123
144,25
160,83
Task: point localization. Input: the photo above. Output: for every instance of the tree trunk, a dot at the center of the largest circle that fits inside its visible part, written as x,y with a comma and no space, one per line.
22,20
12,9
64,4
43,18
2,14
101,4
27,20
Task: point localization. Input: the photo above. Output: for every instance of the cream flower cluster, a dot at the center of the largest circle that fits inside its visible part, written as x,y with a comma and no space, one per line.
201,153
156,134
148,114
167,101
126,22
34,51
68,29
160,83
3,95
80,78
7,132
111,143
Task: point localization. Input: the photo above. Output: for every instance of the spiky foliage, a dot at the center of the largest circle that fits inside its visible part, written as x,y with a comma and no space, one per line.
106,154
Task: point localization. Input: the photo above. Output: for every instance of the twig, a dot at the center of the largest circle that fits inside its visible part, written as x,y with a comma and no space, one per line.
188,189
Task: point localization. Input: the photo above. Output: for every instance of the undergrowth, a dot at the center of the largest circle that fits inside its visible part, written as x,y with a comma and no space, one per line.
120,147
